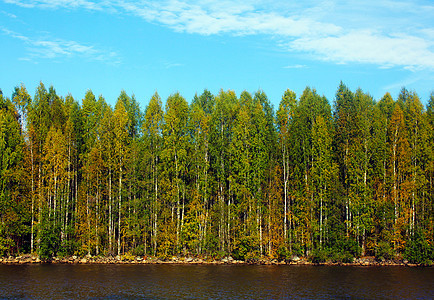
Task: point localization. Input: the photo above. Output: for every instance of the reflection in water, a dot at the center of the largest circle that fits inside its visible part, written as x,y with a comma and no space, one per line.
216,282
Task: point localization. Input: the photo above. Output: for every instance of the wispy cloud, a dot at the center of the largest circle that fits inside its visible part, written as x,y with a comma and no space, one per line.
217,17
423,77
310,30
295,67
168,65
369,47
12,16
46,48
93,5
382,32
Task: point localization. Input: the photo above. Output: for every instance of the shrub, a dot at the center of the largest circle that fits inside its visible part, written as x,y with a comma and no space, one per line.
252,256
244,246
346,257
50,239
283,253
139,250
319,256
419,251
5,245
217,255
128,256
384,251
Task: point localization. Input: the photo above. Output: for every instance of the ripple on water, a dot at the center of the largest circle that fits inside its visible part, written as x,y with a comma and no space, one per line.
213,282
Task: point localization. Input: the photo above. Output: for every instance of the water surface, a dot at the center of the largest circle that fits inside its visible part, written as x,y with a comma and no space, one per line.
214,282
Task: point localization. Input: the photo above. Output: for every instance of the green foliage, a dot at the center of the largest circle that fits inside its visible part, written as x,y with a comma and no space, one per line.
419,250
319,256
139,250
344,257
283,253
245,249
67,247
331,255
5,246
350,246
50,239
384,251
223,175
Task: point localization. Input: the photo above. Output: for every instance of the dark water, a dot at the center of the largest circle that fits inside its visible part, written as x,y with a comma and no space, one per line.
213,282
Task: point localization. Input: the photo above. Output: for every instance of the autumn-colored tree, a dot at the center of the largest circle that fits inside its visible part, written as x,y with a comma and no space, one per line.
222,121
121,151
198,213
399,165
221,176
13,210
285,119
109,165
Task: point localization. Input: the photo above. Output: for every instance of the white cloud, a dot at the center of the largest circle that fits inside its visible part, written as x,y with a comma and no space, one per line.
56,48
58,3
353,38
168,65
45,48
424,78
382,32
369,47
12,16
14,34
212,17
295,67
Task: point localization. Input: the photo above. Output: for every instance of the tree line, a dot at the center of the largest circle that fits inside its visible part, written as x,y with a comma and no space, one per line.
223,175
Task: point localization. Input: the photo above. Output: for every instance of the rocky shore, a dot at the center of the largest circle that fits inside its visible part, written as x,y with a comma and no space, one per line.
29,259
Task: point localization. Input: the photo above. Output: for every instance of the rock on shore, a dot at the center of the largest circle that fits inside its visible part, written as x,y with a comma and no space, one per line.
29,259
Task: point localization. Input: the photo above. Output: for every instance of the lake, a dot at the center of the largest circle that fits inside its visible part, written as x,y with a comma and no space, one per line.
213,281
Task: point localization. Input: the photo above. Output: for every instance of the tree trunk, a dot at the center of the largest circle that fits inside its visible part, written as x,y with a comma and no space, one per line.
320,221
155,225
120,207
33,197
88,215
285,179
110,211
177,203
97,216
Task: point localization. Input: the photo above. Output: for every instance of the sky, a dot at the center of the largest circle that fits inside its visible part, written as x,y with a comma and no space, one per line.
188,46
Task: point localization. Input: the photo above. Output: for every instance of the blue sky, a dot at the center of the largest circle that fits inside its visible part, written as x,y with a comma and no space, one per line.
187,46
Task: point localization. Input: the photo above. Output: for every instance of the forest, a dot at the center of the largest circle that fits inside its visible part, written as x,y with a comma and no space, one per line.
327,179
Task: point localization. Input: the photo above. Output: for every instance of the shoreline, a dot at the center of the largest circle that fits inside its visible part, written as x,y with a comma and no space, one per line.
99,260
